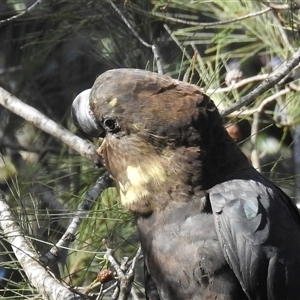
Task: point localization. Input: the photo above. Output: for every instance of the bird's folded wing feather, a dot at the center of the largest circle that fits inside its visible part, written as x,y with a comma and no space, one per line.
244,213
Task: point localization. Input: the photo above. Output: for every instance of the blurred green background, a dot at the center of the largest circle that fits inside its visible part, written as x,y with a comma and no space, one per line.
56,50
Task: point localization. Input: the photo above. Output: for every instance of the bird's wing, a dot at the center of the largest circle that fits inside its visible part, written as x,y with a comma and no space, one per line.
254,223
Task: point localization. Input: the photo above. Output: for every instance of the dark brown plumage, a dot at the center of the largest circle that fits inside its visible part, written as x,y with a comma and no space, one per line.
211,227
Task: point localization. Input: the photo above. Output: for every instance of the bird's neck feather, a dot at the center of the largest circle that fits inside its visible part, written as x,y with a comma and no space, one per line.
179,175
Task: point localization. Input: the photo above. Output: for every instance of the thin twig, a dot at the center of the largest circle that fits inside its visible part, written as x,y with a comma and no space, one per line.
294,87
153,47
277,6
291,87
84,208
36,118
109,255
271,98
125,277
134,294
159,66
242,113
129,26
202,24
237,85
110,288
251,111
254,157
255,126
27,10
46,285
268,83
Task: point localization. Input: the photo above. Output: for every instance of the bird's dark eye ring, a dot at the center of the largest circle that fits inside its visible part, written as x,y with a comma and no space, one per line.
111,125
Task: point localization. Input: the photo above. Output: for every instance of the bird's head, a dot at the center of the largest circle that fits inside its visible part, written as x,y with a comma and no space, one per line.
157,132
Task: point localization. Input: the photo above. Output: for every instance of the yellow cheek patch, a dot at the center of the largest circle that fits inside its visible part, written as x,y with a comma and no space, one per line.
113,102
150,172
132,195
138,178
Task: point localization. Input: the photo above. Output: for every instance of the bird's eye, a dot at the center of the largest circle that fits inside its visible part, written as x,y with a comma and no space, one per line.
111,125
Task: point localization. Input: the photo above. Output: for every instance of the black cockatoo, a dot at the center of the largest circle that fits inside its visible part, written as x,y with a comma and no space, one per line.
210,225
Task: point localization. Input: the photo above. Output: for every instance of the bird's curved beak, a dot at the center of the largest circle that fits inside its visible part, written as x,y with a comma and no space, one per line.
83,117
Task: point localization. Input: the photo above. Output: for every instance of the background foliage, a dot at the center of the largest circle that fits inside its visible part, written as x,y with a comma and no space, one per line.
54,51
